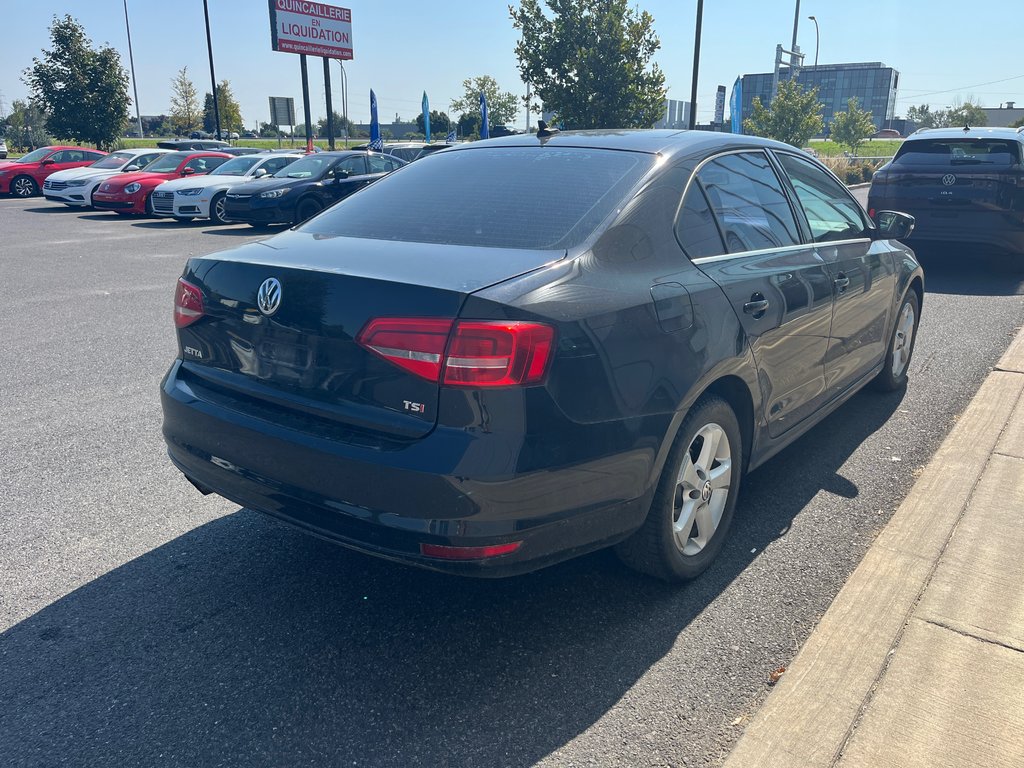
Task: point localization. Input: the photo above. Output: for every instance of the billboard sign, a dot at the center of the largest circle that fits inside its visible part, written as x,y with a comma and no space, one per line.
720,105
303,26
282,110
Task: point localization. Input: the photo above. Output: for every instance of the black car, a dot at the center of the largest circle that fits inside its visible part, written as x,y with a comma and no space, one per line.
183,144
486,378
306,187
962,185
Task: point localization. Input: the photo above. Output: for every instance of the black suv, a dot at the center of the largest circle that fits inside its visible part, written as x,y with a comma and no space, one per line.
961,184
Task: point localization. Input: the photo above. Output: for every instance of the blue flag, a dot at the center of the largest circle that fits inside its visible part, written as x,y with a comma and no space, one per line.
450,138
485,132
426,116
376,142
736,106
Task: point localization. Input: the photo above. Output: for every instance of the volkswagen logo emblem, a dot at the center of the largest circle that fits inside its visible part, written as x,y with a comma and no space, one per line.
949,180
268,298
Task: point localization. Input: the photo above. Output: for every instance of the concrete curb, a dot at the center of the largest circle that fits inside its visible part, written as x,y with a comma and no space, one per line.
809,719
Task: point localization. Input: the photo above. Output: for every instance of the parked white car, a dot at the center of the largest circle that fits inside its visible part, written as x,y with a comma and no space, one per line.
202,197
75,186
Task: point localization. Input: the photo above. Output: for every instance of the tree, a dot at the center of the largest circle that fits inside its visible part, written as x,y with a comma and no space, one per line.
340,125
924,117
793,116
230,111
82,89
967,113
469,125
588,62
185,112
502,107
25,127
852,126
1018,124
440,123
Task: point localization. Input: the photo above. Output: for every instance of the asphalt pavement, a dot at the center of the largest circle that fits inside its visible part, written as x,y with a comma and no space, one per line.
144,624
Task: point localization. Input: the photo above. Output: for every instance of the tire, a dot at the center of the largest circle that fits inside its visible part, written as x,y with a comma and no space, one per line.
893,375
306,209
24,186
699,483
217,209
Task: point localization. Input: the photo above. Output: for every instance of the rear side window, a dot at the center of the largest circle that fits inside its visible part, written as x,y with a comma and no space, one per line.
531,197
831,213
958,152
696,230
747,199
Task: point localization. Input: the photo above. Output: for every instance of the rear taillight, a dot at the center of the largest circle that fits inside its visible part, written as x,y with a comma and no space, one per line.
188,304
468,553
464,353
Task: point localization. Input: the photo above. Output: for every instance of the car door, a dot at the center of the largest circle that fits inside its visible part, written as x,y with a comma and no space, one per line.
779,286
349,174
863,274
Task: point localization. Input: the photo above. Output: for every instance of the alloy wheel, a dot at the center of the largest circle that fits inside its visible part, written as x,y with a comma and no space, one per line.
903,343
702,489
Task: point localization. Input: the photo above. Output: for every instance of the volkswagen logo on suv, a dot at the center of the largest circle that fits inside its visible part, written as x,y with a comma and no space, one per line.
948,180
268,298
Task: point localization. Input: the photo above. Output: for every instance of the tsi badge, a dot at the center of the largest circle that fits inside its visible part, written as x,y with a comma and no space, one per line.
414,407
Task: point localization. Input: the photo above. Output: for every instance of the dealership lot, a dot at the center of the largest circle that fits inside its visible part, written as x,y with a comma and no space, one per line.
141,622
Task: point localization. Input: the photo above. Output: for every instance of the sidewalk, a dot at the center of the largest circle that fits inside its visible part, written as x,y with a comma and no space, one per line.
920,659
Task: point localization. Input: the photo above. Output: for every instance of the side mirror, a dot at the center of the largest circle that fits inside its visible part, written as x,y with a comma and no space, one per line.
260,173
48,161
188,171
341,173
893,225
129,168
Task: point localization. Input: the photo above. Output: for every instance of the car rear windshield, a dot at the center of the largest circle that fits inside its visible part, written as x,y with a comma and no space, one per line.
957,152
547,198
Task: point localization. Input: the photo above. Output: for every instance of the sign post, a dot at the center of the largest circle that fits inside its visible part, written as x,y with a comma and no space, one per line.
317,29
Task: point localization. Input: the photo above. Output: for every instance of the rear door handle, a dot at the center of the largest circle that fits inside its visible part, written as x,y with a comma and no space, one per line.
757,306
842,282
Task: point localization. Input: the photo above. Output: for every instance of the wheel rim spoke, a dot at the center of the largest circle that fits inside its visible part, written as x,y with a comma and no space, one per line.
702,489
721,475
712,434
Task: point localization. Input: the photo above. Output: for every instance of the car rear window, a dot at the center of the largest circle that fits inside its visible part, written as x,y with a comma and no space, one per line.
547,198
956,152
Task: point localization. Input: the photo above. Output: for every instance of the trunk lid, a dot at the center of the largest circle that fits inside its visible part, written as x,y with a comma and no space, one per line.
301,366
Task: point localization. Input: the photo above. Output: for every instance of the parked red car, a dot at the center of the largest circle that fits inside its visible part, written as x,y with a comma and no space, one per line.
24,177
130,192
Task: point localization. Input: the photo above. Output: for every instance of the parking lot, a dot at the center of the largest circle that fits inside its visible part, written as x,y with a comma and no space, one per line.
144,624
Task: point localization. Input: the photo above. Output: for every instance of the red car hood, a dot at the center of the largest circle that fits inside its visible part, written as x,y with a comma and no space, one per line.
9,163
120,181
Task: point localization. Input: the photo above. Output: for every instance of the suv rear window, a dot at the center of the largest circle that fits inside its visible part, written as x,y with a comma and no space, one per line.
957,152
547,198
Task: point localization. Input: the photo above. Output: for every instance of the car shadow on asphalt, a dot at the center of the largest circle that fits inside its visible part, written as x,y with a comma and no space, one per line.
246,231
244,642
963,271
55,209
169,224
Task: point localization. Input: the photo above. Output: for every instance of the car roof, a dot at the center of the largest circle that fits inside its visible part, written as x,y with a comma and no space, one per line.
966,133
659,141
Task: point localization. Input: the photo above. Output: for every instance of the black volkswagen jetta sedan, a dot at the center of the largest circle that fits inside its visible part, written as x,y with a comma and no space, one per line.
585,341
306,187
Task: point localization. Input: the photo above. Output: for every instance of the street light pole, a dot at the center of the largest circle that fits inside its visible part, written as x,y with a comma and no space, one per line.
817,39
131,62
696,65
213,77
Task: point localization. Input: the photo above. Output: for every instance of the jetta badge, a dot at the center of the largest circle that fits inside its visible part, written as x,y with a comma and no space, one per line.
949,180
268,298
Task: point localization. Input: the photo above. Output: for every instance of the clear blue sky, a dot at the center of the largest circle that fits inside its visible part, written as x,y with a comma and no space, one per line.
944,49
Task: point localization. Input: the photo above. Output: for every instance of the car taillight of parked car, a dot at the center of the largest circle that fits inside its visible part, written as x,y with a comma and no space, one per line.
465,353
188,304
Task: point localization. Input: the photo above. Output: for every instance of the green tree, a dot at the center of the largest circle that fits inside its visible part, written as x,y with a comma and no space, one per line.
469,125
82,89
230,111
440,123
924,117
185,114
967,113
25,127
851,127
793,116
502,106
588,61
340,124
1018,124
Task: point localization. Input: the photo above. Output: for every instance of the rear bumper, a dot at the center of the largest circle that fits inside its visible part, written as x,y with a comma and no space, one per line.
452,487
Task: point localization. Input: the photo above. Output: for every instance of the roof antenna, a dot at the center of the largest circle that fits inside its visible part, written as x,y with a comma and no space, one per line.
543,132
966,127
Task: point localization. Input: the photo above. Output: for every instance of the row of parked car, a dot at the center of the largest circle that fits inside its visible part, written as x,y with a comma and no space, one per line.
201,179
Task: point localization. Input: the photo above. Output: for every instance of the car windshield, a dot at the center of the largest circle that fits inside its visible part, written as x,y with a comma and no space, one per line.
35,155
168,163
113,161
239,166
306,168
950,152
548,198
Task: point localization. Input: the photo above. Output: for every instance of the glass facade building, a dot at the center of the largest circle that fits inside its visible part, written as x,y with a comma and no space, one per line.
873,84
